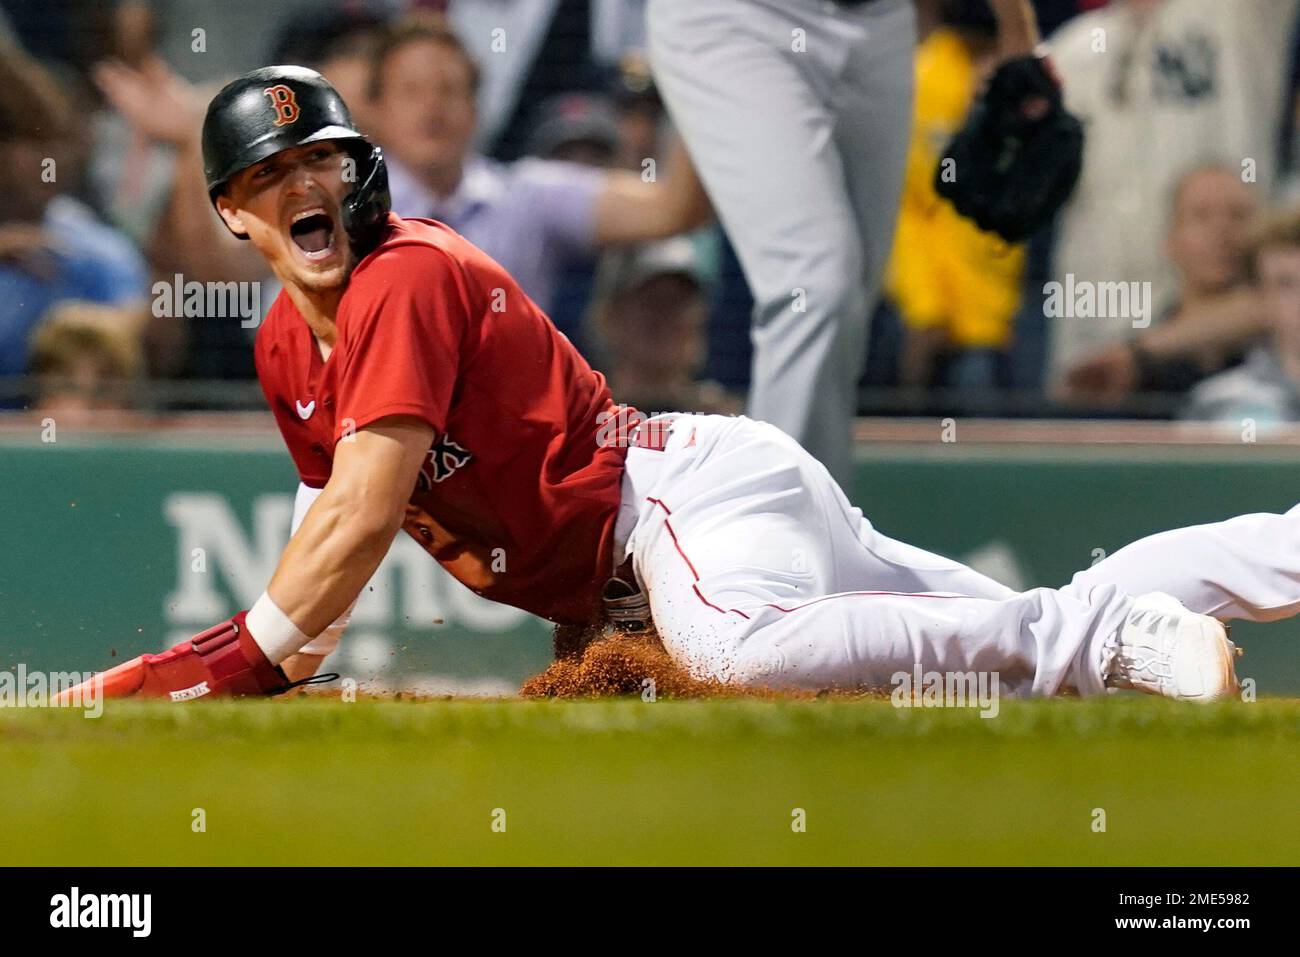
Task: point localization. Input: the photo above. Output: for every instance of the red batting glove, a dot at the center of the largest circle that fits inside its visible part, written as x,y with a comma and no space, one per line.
223,661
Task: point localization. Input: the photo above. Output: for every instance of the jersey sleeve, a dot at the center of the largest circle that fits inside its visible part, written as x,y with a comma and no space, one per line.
400,340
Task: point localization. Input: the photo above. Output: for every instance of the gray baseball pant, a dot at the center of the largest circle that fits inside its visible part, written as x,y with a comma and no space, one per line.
797,115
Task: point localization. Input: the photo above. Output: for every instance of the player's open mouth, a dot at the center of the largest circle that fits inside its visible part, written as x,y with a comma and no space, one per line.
312,231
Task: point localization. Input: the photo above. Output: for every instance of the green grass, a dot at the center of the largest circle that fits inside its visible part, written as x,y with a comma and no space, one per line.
694,782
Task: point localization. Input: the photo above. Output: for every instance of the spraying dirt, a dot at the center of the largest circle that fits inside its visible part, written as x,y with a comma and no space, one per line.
598,662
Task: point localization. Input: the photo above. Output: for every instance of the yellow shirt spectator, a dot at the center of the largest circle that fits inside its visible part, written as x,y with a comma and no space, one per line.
946,274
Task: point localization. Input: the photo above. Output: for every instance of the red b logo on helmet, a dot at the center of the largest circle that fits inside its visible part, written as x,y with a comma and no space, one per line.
285,103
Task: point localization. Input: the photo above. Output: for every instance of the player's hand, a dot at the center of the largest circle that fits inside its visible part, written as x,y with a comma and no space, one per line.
221,662
154,99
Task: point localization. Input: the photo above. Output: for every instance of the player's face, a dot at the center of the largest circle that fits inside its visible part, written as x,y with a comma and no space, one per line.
425,106
290,206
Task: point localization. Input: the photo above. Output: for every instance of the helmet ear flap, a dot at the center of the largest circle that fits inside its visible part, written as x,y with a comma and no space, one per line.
365,209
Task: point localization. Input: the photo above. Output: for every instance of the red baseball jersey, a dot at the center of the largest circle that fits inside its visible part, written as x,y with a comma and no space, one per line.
517,498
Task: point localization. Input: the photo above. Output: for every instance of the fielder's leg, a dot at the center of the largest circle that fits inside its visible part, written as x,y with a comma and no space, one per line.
752,86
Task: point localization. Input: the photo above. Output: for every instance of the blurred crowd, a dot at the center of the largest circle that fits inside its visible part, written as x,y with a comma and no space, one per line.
1168,287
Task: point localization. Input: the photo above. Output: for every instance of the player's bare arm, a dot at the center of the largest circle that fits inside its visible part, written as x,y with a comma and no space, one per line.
340,543
348,530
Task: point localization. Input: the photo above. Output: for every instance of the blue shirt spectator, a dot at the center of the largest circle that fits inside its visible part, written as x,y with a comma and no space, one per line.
84,259
533,216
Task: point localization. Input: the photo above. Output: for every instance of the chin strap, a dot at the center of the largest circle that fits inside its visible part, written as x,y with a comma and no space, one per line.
365,209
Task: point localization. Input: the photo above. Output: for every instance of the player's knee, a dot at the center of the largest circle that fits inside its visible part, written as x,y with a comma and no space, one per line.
828,284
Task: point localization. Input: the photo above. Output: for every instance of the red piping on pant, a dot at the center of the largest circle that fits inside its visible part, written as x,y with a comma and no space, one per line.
736,611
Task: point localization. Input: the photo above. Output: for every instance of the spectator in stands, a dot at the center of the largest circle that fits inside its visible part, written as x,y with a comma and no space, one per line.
86,358
1162,86
52,246
1208,244
532,51
956,288
641,114
237,34
64,34
338,43
1289,138
577,128
532,216
651,314
1264,389
129,173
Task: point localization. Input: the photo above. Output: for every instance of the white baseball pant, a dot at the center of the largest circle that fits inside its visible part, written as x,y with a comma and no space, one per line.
759,571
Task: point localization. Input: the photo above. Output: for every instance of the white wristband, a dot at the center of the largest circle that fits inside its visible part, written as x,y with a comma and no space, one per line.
273,631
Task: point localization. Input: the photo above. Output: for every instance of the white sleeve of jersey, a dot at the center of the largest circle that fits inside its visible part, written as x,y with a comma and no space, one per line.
324,643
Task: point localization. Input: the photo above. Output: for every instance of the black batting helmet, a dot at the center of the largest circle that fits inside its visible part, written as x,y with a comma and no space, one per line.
280,107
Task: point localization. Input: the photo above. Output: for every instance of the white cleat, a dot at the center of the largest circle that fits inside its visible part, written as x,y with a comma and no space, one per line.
1165,649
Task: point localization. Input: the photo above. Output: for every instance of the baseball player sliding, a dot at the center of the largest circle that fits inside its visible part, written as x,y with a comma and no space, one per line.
418,388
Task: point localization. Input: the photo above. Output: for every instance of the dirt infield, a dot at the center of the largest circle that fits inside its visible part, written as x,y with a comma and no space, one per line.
618,665
609,664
